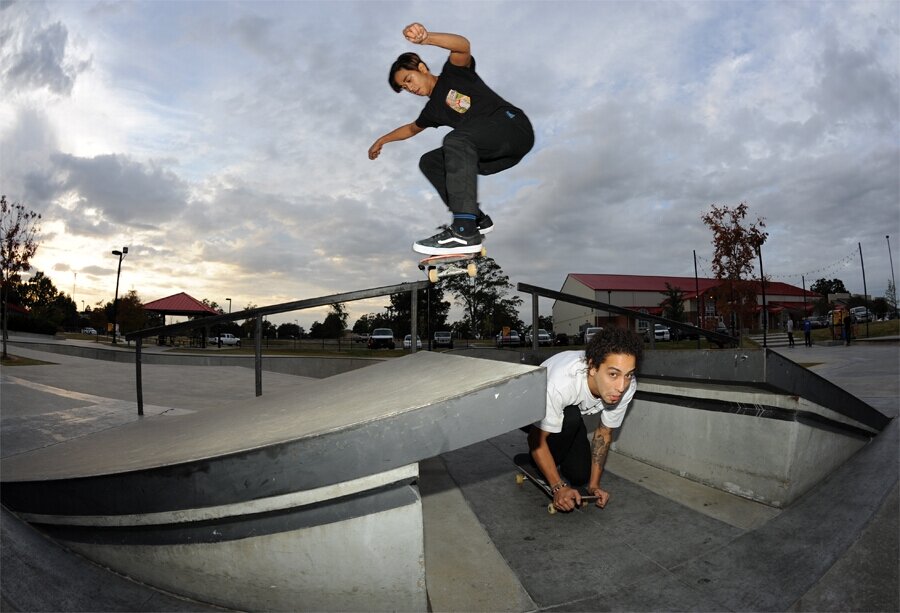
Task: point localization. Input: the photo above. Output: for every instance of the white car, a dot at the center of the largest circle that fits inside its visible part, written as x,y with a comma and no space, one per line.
661,333
88,331
407,342
589,334
227,339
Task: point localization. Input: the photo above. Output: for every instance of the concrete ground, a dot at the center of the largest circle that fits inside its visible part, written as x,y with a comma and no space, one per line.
663,543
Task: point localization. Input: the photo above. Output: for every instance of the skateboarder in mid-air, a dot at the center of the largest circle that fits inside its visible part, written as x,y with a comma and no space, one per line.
489,135
600,379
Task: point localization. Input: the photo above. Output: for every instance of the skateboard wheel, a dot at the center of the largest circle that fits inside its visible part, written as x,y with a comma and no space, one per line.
551,509
433,275
520,479
472,269
483,252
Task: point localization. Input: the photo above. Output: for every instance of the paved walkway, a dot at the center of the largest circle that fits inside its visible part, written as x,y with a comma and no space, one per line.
664,543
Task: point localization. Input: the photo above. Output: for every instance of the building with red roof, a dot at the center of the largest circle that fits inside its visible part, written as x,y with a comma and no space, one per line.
646,294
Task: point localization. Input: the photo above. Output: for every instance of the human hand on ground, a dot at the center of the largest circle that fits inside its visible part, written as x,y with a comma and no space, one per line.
566,499
602,496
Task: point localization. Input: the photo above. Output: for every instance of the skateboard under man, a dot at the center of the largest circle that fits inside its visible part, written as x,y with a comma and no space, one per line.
440,266
530,473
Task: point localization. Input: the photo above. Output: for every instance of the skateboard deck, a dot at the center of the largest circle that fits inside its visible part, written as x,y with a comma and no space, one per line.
529,473
440,266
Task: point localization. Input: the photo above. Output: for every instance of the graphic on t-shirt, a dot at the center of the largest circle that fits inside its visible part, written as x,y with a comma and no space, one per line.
458,102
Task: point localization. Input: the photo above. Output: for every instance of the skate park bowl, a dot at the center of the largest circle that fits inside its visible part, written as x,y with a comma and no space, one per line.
305,499
746,421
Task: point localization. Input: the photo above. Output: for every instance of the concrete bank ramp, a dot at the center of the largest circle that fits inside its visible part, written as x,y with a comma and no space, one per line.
293,501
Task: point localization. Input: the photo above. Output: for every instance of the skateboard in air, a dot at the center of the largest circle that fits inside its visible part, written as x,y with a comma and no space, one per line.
528,472
440,266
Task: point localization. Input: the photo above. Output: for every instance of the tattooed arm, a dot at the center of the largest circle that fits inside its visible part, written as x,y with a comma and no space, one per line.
599,450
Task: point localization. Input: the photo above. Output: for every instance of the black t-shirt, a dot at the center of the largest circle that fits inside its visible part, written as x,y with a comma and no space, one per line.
459,95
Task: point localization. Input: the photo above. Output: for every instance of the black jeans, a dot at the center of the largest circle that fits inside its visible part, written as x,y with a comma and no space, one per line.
571,449
482,146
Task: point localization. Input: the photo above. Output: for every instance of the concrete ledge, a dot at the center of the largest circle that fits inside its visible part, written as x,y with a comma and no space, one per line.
292,500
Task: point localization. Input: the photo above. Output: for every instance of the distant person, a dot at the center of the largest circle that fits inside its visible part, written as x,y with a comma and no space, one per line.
848,328
807,332
489,135
790,331
600,379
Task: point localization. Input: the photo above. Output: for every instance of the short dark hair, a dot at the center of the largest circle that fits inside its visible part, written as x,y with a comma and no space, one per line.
406,61
612,339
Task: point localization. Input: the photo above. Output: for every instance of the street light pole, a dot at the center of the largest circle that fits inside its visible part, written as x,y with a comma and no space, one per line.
121,255
887,237
229,305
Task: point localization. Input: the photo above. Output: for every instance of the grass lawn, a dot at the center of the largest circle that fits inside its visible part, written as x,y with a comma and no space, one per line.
14,360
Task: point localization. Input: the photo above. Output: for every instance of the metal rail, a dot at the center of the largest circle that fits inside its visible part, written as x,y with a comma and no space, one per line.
715,337
258,313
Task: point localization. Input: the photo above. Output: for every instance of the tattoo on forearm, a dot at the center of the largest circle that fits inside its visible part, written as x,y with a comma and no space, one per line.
599,449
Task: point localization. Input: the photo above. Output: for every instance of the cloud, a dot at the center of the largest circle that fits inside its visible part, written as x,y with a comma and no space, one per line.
34,56
226,144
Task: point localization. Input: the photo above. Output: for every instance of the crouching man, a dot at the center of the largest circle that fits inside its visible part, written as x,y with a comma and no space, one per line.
600,379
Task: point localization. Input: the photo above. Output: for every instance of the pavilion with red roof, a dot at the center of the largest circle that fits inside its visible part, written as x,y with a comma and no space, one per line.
180,304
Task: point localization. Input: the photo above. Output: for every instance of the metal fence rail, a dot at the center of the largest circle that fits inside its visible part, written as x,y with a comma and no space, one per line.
258,313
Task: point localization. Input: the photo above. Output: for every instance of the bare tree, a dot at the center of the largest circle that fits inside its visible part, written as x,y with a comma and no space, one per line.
18,230
736,248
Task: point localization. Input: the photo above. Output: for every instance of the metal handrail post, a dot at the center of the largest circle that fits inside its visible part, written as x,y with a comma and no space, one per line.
259,355
414,313
138,342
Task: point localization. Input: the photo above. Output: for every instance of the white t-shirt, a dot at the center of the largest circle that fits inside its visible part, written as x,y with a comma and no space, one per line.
567,384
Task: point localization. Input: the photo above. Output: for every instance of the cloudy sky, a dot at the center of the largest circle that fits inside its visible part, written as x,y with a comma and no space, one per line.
225,142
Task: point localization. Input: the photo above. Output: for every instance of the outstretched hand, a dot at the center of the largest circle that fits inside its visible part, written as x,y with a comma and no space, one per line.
375,149
415,33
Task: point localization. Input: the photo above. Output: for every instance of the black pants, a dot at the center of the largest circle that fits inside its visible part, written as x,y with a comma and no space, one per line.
571,449
482,146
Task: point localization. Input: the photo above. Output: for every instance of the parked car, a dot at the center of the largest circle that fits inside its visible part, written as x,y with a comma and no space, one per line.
443,339
815,323
88,331
362,337
227,339
561,339
543,336
589,334
660,333
862,314
381,338
512,340
679,334
407,342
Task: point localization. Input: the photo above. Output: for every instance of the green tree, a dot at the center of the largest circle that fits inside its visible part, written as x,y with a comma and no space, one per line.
335,322
19,227
289,330
401,308
484,299
824,287
47,307
736,248
890,296
673,304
